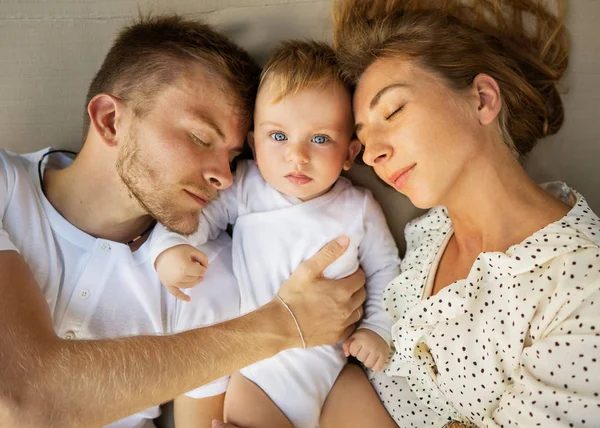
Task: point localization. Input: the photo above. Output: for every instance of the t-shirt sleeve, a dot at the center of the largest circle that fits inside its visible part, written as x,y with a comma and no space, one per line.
379,259
6,185
218,214
162,239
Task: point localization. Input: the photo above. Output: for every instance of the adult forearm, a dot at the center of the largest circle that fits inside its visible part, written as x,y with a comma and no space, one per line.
50,382
91,383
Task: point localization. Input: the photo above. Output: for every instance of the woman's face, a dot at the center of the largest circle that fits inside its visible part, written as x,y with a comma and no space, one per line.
418,135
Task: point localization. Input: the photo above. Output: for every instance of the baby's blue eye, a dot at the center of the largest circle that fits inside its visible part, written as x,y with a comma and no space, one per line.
278,136
319,139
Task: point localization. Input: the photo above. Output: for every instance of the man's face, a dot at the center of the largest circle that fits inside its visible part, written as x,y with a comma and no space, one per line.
177,157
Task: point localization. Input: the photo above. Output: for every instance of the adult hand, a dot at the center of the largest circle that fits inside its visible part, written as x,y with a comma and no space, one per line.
326,309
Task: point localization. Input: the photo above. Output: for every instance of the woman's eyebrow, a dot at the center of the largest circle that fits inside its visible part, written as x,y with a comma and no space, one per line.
375,100
385,89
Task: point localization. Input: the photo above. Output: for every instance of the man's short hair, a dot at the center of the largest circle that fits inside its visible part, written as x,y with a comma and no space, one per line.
153,52
299,64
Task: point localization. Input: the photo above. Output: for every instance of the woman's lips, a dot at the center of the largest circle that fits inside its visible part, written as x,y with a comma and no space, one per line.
298,178
400,177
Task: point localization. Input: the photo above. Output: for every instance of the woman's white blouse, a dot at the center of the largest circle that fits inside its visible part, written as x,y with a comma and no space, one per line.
516,343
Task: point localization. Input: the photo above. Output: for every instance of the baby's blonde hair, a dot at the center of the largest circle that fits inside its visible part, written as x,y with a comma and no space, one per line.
300,64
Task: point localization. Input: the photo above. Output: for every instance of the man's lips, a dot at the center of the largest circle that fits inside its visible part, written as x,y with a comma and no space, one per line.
200,199
400,177
298,178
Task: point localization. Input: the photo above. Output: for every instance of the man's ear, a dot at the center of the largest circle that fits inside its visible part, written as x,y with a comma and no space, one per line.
487,98
353,150
251,144
104,111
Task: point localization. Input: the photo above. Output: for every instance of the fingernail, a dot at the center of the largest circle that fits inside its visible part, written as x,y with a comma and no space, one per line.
216,423
342,240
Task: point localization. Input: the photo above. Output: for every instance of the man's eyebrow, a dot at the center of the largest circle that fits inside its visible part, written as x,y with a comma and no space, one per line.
377,97
197,115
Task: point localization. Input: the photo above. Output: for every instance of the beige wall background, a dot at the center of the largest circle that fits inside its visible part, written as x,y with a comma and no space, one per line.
50,50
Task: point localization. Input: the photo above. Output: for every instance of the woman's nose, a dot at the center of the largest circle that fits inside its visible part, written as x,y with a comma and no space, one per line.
376,153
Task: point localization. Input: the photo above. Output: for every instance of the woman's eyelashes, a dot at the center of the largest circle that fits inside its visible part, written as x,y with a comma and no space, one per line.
397,110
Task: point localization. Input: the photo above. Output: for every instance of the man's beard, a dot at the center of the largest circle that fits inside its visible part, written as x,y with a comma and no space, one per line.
143,185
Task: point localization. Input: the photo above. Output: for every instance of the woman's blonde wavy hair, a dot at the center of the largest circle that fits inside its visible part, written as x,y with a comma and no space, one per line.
522,44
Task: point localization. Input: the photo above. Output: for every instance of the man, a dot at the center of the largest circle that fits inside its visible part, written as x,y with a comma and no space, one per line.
166,114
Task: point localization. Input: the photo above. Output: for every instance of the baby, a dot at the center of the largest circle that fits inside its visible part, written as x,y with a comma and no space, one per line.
287,204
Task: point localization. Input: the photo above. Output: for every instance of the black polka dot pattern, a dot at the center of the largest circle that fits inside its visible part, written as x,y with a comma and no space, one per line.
516,343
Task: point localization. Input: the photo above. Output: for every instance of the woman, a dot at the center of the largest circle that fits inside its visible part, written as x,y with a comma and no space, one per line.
497,308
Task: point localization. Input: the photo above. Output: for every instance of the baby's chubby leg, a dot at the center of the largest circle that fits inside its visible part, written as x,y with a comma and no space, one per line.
352,402
246,405
198,412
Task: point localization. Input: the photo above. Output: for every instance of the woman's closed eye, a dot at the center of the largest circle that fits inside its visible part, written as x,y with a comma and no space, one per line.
278,136
397,110
319,139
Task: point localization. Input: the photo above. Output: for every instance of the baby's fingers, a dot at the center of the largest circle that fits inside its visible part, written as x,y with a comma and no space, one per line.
190,281
363,354
179,294
346,346
371,359
194,269
379,363
199,257
355,348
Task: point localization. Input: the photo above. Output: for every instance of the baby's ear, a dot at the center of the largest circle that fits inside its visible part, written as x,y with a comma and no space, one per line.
353,150
251,144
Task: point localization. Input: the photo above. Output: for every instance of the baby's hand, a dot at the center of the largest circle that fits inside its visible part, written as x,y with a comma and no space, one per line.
182,266
368,347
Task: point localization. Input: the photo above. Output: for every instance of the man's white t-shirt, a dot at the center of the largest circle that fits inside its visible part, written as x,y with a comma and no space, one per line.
97,288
